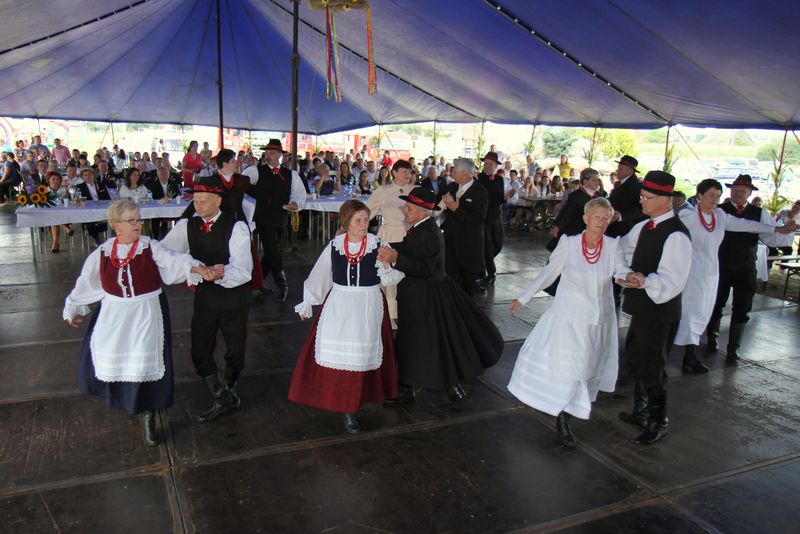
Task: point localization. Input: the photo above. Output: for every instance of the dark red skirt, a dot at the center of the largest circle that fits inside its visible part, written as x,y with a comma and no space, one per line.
256,276
343,391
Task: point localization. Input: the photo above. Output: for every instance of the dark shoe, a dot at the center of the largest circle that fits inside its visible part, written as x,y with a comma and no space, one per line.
734,340
149,428
54,250
712,333
283,286
657,425
490,279
456,393
351,425
641,408
406,396
690,362
565,434
232,378
224,400
475,289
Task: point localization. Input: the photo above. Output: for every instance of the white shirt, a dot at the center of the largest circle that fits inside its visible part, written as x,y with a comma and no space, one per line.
668,281
462,188
239,269
297,194
92,191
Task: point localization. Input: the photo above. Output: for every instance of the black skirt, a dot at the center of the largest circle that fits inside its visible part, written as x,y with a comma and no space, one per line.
442,336
133,397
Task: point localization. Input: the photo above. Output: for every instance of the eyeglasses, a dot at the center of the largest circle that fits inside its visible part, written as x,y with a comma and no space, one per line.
134,222
646,198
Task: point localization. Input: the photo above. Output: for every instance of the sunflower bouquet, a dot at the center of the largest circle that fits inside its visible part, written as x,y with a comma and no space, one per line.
41,198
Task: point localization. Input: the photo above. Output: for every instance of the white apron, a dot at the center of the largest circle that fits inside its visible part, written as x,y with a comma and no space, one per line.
128,339
349,330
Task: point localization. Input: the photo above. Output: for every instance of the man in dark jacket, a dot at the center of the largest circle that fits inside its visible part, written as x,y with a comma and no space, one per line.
466,204
570,218
624,198
493,223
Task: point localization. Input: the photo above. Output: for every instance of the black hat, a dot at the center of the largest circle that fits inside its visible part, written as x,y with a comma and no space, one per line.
424,198
659,183
743,179
206,184
492,156
274,144
630,161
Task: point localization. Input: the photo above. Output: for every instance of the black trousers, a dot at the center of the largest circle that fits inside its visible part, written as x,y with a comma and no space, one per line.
159,228
647,347
205,325
94,229
463,276
272,260
492,244
743,284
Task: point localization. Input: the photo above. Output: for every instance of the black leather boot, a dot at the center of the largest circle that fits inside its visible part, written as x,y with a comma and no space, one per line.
221,395
734,340
149,428
351,425
232,378
690,362
657,424
406,395
283,286
641,407
456,393
712,333
565,434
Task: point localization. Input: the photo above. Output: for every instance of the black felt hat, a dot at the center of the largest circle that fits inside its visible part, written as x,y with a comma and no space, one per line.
659,183
743,179
274,144
424,198
630,161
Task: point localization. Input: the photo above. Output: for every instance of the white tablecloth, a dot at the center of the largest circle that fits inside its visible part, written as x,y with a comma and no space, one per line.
761,262
97,210
330,204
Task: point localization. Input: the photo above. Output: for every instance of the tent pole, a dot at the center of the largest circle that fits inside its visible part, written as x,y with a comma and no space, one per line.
434,141
783,150
666,145
295,69
221,140
113,137
530,143
39,125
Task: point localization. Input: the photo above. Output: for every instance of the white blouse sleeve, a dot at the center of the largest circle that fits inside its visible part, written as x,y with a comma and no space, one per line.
551,271
174,267
375,201
177,239
88,288
621,267
298,192
737,224
317,285
388,275
673,270
239,269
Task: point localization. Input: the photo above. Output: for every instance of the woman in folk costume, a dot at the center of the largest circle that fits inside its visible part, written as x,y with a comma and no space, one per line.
572,352
126,356
348,358
707,225
386,202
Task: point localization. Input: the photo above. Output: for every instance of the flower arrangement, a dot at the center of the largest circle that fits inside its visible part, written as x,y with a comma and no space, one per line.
41,198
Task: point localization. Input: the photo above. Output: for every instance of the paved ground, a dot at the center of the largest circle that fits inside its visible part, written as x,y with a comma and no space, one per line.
68,464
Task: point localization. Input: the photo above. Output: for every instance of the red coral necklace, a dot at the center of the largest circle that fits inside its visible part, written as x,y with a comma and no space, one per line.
591,256
709,227
355,259
122,263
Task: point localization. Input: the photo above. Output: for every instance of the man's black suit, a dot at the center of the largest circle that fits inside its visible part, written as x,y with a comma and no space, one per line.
625,200
158,227
493,223
94,228
442,183
463,236
459,341
570,218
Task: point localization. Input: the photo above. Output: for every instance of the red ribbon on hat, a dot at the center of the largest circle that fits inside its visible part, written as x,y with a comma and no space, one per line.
418,201
658,187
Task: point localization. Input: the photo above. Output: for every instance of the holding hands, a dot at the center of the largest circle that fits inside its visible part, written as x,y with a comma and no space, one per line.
450,202
387,256
210,272
632,280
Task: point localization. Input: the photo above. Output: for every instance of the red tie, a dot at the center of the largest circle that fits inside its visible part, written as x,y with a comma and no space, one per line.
651,224
740,209
616,185
408,232
206,226
277,171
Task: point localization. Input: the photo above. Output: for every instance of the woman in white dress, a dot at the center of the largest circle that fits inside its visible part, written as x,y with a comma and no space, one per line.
572,352
386,202
707,225
133,188
126,356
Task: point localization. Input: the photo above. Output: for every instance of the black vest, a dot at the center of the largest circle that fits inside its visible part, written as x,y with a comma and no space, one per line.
646,258
363,274
738,250
212,248
275,193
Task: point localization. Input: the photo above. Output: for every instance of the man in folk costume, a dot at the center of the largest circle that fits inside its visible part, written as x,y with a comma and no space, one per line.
466,205
279,191
217,239
737,267
459,341
493,223
660,253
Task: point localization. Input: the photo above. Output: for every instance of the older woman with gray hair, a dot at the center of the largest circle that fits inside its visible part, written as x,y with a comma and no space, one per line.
571,354
126,355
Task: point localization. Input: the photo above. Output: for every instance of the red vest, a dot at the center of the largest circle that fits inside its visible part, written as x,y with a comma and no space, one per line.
144,276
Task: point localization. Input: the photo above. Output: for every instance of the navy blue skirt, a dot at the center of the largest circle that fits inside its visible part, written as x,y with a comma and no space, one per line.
133,397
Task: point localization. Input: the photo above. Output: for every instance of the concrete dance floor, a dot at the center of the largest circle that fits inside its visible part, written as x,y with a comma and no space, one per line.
69,464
